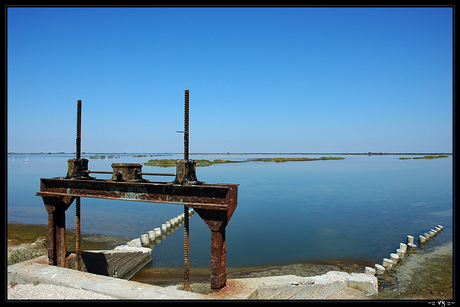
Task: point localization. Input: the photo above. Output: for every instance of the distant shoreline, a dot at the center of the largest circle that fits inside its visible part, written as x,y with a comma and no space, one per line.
242,154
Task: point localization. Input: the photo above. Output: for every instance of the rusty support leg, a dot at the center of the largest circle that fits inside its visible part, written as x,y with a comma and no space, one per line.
216,221
56,207
218,259
60,236
51,238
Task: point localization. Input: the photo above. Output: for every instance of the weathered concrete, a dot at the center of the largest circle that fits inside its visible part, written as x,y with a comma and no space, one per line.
333,285
28,272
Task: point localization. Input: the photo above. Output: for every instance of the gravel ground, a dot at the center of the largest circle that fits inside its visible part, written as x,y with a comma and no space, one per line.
51,292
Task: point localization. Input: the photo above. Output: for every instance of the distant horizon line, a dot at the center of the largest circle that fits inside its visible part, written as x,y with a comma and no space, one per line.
239,153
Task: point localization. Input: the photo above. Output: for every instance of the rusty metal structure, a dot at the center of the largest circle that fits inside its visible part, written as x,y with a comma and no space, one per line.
214,203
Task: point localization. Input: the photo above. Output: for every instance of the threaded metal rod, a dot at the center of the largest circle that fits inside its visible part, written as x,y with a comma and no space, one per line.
77,235
77,200
186,251
186,132
186,225
78,129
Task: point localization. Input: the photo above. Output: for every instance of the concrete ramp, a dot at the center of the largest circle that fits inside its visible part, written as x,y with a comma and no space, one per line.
122,262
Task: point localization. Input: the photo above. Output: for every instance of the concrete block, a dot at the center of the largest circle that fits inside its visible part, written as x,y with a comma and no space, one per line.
387,263
401,253
152,236
394,258
135,243
145,240
369,270
403,247
379,269
410,239
365,282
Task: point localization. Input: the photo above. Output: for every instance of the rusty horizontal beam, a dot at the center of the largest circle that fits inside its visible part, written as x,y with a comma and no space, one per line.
205,196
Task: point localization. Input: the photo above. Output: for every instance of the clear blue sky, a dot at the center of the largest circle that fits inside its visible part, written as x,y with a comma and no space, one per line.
260,79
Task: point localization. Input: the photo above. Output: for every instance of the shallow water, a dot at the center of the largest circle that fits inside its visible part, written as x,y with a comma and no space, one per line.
358,208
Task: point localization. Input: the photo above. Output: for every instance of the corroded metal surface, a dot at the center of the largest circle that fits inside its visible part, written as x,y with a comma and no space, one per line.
201,196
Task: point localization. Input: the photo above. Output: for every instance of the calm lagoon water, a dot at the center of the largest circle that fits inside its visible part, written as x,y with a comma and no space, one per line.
359,208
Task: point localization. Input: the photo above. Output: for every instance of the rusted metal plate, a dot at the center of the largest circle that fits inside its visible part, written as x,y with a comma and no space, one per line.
127,172
205,196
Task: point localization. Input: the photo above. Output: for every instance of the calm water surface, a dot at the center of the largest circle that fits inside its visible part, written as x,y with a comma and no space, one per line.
358,208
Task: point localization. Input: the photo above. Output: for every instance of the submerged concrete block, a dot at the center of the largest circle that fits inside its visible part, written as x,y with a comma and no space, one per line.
369,270
379,269
409,240
403,247
145,240
152,236
387,263
394,258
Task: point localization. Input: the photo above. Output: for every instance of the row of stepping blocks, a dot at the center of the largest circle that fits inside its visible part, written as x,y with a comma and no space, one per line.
154,236
390,263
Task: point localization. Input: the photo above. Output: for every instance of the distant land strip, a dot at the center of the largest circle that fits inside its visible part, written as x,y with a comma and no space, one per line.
244,153
172,162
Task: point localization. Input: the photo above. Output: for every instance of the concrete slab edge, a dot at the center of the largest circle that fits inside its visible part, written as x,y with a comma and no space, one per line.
118,288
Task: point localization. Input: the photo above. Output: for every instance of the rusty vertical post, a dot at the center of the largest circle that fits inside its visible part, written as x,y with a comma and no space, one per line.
56,207
217,221
51,237
218,258
60,236
186,217
77,202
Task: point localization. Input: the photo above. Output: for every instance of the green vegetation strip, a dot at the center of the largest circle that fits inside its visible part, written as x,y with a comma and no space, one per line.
425,157
297,159
172,162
